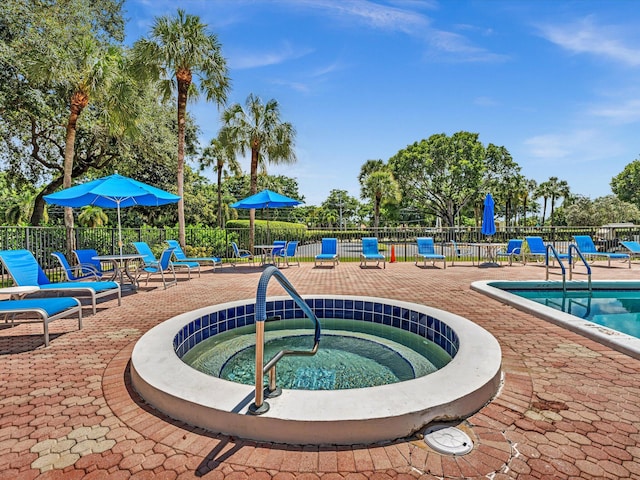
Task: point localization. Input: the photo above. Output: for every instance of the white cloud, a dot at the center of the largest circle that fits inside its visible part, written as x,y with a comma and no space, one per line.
485,102
373,14
572,147
627,111
588,38
243,60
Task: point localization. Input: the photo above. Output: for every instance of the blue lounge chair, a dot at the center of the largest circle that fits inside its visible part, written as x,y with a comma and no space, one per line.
461,251
328,252
48,309
77,273
538,251
633,247
427,251
590,252
85,259
161,267
150,259
240,254
182,257
278,247
371,253
513,249
25,271
289,254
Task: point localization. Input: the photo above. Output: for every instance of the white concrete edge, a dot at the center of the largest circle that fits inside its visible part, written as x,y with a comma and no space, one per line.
618,341
364,415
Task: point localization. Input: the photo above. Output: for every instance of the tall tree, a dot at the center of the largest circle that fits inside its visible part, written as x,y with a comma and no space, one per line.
377,183
553,189
626,185
528,188
543,191
442,174
220,155
258,128
179,48
62,67
343,203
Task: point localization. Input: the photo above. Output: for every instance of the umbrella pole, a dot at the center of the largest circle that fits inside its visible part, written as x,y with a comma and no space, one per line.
119,229
268,232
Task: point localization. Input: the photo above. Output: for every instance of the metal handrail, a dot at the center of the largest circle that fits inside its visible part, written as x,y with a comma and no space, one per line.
573,246
551,249
260,406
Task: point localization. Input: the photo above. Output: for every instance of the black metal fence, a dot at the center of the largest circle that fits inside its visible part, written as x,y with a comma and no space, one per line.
42,241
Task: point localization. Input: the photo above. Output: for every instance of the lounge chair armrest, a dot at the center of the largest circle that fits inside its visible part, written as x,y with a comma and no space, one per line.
87,268
80,271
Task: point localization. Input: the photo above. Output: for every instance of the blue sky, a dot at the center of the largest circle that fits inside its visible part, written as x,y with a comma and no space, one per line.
555,82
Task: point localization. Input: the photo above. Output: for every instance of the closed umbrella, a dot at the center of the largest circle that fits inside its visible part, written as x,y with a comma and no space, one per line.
266,199
488,229
488,224
113,191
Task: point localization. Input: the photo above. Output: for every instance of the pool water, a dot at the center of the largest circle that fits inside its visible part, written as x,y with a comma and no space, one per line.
615,309
351,355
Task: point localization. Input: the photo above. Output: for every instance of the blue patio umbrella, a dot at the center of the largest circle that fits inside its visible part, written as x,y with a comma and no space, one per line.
266,199
488,224
113,191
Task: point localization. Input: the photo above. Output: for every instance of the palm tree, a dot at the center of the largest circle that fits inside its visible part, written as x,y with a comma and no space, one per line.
92,217
178,49
528,188
544,191
378,184
220,154
85,71
558,189
258,128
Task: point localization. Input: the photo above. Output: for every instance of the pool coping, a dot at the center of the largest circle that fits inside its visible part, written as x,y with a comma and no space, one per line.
366,415
612,338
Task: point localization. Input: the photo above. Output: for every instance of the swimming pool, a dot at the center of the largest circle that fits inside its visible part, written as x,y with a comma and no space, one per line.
609,314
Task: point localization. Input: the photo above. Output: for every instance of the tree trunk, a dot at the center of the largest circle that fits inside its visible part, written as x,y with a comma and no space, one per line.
39,203
376,214
219,196
184,80
252,190
79,100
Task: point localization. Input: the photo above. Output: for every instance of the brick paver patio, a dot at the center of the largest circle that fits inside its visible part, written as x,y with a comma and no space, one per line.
569,407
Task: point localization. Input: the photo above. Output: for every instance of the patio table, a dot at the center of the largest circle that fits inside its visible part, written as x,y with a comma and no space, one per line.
490,250
266,251
121,266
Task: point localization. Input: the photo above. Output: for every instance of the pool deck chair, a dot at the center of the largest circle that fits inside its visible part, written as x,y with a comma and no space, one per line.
633,247
370,252
461,251
180,256
162,266
25,271
150,259
86,261
289,254
427,251
538,251
513,249
76,273
240,254
590,252
47,309
328,252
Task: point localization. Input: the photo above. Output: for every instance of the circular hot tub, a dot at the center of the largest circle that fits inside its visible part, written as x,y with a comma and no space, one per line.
348,416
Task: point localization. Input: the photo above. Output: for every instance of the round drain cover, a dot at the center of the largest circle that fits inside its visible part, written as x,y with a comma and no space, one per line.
448,440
